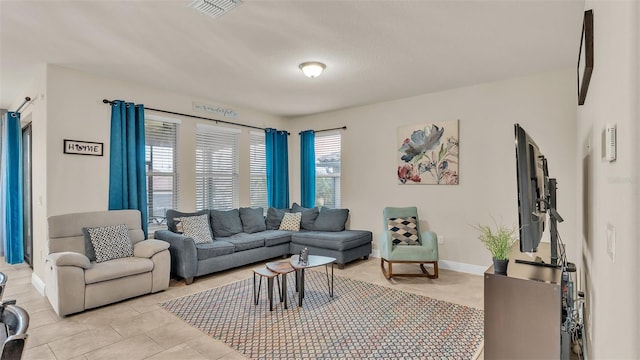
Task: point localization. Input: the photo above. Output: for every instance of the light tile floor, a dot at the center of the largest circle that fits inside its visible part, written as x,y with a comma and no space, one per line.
139,329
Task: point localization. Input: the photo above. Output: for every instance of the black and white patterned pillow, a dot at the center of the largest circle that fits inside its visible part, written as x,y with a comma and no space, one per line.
197,228
291,222
404,230
110,242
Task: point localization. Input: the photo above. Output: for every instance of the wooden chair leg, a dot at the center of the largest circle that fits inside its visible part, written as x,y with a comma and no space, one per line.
426,272
387,274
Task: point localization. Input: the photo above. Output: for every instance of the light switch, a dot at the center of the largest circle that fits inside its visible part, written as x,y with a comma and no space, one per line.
611,242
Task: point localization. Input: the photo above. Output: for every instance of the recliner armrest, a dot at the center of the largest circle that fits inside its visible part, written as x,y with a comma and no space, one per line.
148,248
69,258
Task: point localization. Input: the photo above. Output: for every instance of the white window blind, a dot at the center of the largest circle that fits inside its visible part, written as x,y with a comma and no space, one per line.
162,176
216,167
328,167
258,170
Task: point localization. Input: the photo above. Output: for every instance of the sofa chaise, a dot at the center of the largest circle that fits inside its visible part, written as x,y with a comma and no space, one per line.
85,267
210,241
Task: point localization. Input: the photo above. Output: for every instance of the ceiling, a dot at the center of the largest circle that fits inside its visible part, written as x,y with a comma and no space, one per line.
374,50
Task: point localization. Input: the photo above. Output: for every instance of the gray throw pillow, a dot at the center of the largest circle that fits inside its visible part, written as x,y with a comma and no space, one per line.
309,216
173,219
252,220
88,247
225,222
110,242
331,219
274,217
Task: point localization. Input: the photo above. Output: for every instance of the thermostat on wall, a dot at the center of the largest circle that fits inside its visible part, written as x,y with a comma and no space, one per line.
610,142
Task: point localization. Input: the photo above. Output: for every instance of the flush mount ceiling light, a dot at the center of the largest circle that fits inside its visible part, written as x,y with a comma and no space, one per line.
312,69
215,8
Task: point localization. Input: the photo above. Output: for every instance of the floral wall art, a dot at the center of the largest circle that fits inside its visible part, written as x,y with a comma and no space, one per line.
428,154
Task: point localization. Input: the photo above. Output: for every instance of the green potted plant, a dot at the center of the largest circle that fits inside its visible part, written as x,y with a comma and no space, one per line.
498,241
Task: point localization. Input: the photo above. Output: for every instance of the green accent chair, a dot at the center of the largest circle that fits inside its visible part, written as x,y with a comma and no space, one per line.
426,252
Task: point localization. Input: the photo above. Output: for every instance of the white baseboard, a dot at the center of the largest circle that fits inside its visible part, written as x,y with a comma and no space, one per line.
450,265
462,267
38,284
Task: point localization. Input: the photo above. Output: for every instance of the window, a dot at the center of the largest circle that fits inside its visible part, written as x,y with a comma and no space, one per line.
160,157
258,170
328,170
216,167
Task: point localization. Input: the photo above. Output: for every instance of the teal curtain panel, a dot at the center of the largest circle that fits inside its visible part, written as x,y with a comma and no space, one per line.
308,168
277,153
127,172
12,219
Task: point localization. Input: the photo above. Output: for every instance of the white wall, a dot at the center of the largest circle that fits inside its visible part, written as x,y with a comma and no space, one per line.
75,111
543,104
608,192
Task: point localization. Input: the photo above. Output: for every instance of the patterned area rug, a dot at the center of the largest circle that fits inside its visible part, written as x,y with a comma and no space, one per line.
362,320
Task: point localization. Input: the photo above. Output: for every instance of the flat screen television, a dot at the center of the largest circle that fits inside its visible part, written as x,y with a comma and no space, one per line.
533,194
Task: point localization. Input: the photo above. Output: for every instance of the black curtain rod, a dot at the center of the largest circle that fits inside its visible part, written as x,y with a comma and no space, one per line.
196,117
338,128
26,100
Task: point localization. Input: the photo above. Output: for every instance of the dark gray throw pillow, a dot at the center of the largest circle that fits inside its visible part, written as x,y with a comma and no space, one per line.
173,219
88,246
309,216
225,222
252,220
331,219
274,217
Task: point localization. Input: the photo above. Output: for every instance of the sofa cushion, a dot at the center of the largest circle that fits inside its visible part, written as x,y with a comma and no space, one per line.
110,242
216,248
274,217
197,228
331,219
117,268
291,222
244,241
340,240
309,216
252,220
173,222
225,222
404,230
276,237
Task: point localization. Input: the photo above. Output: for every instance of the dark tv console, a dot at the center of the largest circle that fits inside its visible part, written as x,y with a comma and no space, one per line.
523,310
537,263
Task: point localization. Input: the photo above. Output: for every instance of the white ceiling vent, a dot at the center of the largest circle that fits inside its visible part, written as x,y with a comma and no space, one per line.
215,8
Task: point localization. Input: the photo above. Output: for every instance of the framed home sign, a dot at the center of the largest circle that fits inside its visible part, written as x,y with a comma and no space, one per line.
82,147
585,57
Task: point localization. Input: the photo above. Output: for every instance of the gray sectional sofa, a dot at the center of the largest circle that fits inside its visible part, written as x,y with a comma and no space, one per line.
244,236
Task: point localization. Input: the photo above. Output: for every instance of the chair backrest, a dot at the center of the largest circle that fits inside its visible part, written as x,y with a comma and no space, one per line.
15,321
65,231
397,212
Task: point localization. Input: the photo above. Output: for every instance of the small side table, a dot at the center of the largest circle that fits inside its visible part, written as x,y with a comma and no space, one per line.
283,268
264,272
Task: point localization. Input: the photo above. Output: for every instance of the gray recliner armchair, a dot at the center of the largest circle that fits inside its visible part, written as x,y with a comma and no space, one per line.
74,283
